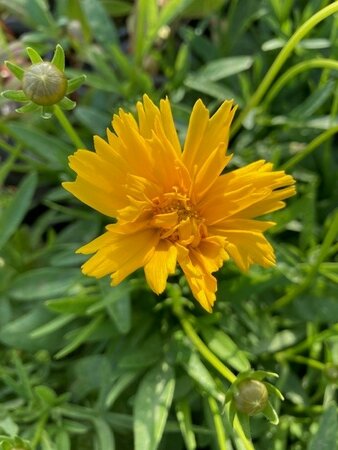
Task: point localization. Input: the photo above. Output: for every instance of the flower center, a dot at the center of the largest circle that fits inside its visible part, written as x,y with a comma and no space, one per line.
178,219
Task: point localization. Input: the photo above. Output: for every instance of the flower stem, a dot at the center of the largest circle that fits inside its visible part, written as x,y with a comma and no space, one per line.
320,63
68,127
310,147
239,429
201,347
218,424
283,55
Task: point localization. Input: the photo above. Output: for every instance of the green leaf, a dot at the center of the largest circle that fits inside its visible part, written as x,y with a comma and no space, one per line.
118,304
152,403
183,414
202,8
43,283
146,17
223,68
81,336
144,355
225,348
13,214
199,373
53,325
33,55
62,440
119,8
17,332
39,13
95,120
59,58
105,437
77,305
314,101
216,90
49,148
101,25
326,435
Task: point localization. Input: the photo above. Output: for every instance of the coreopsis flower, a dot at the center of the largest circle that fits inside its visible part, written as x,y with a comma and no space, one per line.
172,205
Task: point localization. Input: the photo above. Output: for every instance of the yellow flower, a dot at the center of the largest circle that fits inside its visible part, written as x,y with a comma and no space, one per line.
172,205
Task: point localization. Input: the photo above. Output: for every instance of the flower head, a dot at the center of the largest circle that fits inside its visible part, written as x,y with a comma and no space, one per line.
174,205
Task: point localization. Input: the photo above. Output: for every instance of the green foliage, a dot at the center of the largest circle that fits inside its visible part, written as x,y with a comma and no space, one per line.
84,365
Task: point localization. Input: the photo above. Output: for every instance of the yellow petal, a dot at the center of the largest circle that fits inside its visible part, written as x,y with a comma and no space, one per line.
161,264
198,265
91,195
119,254
197,125
169,125
247,248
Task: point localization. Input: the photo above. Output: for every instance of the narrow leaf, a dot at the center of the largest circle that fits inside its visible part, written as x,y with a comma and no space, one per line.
326,435
13,215
152,403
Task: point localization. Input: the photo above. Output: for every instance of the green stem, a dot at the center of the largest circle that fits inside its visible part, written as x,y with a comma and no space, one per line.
201,347
309,148
38,431
308,342
319,63
239,430
218,424
68,127
307,361
283,55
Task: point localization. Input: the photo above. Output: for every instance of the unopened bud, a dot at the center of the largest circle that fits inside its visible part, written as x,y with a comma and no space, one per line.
44,84
251,397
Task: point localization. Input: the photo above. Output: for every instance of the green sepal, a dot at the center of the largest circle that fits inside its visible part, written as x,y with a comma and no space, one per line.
75,83
17,71
47,112
244,420
33,55
67,104
273,390
271,414
59,58
261,374
30,107
16,95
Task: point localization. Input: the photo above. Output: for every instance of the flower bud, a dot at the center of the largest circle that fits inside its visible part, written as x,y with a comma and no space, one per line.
251,397
44,84
331,372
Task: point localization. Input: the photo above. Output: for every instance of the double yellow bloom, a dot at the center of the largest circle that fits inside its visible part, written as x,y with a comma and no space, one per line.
172,205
